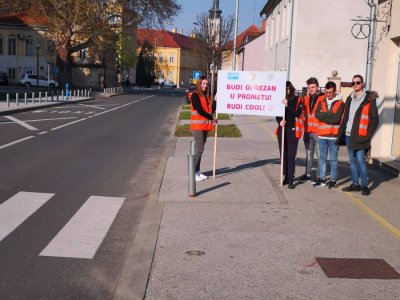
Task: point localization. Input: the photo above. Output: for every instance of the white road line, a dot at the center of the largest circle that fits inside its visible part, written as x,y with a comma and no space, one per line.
92,106
16,142
104,112
39,120
84,233
70,123
22,123
43,132
18,208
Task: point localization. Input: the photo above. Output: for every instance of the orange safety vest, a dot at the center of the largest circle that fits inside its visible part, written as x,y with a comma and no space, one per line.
329,129
299,122
311,122
197,121
364,120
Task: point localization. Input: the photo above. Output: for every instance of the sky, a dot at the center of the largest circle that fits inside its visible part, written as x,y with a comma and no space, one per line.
249,13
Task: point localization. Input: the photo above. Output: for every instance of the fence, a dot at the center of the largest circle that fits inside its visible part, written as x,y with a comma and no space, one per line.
32,98
113,91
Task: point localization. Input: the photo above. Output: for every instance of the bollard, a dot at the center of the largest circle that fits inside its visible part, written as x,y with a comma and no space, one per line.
33,97
62,95
40,97
191,176
57,96
8,100
52,94
45,94
16,99
77,92
192,147
26,98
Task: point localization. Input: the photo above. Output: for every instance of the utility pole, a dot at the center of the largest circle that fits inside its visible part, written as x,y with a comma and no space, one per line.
371,43
234,39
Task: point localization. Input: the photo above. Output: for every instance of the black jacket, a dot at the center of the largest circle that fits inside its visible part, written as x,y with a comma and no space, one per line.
356,141
292,111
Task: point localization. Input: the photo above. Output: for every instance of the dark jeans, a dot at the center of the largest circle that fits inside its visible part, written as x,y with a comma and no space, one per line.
200,138
290,152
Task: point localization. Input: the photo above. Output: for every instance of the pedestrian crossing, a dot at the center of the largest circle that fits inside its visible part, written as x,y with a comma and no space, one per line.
80,237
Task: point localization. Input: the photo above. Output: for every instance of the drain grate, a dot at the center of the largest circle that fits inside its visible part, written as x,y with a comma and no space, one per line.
357,268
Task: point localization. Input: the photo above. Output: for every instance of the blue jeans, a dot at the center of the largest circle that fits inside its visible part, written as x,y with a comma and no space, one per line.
324,146
357,164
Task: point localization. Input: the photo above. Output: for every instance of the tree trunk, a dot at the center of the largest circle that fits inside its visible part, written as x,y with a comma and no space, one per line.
64,63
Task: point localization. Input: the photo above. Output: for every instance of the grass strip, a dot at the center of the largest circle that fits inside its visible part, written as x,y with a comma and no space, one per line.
230,130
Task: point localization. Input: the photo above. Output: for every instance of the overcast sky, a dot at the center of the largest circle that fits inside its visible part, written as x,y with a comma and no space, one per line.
249,12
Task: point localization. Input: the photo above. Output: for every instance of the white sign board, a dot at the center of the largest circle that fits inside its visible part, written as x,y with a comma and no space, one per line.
251,93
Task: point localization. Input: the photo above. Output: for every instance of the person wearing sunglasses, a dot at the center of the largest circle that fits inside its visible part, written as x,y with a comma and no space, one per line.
329,113
360,121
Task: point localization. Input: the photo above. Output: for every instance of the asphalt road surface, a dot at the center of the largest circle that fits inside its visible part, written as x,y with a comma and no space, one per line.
74,180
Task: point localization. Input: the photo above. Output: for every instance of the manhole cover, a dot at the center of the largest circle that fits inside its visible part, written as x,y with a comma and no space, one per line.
195,252
357,268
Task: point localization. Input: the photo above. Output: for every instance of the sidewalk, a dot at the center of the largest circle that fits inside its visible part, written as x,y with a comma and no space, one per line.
245,237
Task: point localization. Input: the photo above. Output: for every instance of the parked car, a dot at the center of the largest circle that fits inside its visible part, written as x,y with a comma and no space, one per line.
168,83
32,80
189,93
3,78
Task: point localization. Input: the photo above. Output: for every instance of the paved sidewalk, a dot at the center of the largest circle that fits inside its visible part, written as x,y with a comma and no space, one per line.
245,237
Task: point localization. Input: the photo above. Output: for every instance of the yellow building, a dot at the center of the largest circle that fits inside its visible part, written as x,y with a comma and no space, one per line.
174,55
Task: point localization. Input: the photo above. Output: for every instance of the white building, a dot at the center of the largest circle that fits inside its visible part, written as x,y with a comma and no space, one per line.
310,38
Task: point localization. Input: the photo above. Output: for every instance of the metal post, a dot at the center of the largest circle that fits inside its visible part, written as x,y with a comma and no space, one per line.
191,171
40,97
57,96
46,96
8,100
37,64
371,42
33,97
26,98
62,95
16,99
235,37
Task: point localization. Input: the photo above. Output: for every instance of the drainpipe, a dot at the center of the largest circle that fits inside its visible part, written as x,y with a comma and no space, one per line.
371,42
290,42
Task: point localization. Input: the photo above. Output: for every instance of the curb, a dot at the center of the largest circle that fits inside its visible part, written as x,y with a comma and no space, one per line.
30,108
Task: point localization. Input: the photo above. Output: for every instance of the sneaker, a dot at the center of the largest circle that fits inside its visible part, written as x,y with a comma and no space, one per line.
202,176
352,188
291,185
320,182
305,178
332,184
198,178
365,191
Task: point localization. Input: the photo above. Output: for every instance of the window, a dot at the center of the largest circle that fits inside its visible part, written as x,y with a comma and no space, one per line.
161,59
28,71
11,73
83,54
12,46
1,46
29,47
171,59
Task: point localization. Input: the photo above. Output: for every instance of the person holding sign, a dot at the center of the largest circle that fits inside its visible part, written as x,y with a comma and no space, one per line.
201,121
293,129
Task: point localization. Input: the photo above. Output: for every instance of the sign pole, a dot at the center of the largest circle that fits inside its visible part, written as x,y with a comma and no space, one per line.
215,146
282,147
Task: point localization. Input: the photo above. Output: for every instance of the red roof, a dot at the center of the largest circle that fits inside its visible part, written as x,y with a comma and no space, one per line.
164,38
23,19
252,32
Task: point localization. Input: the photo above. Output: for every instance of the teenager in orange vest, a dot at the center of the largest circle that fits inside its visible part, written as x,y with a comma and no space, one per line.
329,114
310,126
201,121
293,130
359,124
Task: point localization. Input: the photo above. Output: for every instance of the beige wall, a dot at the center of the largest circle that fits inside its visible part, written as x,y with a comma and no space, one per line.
385,80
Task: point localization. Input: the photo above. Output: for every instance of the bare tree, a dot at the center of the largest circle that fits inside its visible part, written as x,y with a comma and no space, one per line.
212,45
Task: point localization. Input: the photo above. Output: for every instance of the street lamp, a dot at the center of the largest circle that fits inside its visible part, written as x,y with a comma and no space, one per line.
37,63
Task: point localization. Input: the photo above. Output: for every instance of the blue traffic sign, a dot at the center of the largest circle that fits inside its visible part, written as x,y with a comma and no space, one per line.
196,74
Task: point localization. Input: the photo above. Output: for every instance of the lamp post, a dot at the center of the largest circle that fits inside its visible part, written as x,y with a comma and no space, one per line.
37,63
234,39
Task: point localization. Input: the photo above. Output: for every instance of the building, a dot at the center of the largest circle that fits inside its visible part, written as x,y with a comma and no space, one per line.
311,38
174,55
23,47
386,81
243,39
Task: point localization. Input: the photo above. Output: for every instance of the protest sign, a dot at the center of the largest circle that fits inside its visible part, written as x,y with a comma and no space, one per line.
251,93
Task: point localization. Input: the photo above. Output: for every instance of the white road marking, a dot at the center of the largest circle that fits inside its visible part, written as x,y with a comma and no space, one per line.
16,142
70,123
39,120
84,233
43,132
112,109
18,208
92,106
22,123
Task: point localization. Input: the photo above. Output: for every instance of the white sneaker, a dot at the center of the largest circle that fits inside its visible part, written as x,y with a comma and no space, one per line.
198,178
203,176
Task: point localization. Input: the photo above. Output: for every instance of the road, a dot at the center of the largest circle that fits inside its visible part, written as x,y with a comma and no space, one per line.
74,180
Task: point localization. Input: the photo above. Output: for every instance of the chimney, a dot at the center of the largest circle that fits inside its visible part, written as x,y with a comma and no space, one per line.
174,30
264,25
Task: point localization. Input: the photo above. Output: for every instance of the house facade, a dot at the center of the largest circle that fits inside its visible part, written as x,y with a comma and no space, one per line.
174,55
312,38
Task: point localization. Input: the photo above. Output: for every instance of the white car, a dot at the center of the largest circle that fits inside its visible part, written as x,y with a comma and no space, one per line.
32,80
168,83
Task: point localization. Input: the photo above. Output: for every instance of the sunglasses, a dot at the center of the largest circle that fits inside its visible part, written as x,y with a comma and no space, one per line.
355,82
